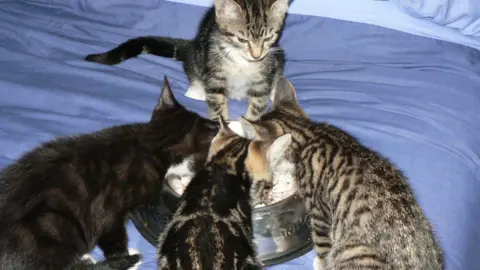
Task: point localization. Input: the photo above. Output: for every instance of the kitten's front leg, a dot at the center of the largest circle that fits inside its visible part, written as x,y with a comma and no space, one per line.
217,98
114,241
257,104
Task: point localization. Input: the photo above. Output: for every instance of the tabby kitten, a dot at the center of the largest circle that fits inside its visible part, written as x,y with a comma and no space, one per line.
364,215
212,228
235,54
65,196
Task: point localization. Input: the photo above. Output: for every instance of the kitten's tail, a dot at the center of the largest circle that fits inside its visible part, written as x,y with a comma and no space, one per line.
161,46
117,263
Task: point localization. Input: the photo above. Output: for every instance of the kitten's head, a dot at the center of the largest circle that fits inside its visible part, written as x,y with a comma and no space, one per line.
254,157
185,133
250,26
286,115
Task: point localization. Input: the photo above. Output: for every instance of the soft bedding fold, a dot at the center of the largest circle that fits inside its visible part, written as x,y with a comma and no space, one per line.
414,99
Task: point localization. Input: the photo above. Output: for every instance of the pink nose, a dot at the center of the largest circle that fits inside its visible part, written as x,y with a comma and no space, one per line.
256,52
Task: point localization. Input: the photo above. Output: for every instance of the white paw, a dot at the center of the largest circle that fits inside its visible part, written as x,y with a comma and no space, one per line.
196,91
317,263
132,251
88,257
236,127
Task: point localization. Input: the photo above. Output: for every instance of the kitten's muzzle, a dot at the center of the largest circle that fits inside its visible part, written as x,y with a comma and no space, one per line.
256,52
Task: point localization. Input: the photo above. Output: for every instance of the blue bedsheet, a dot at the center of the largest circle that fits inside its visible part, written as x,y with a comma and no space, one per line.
414,99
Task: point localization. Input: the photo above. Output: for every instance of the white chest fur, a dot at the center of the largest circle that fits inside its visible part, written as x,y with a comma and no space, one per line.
240,75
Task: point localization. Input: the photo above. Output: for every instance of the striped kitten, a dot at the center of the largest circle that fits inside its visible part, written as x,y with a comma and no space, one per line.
212,228
235,54
364,215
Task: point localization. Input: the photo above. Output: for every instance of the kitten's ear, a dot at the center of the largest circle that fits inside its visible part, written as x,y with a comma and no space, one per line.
284,93
227,10
224,128
276,151
254,130
166,100
279,8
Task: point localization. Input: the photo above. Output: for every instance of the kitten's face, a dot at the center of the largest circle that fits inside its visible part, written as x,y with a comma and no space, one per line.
250,26
260,157
191,132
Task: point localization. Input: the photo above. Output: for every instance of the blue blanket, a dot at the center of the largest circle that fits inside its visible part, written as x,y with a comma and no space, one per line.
414,99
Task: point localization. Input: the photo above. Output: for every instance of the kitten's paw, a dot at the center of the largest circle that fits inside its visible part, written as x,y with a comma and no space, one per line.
127,262
318,263
87,259
132,251
196,91
237,127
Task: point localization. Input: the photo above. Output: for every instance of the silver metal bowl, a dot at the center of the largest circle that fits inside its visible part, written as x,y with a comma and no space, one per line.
281,230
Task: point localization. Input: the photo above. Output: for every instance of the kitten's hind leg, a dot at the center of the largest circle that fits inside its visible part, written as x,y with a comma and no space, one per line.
320,235
133,252
257,104
355,254
318,263
114,242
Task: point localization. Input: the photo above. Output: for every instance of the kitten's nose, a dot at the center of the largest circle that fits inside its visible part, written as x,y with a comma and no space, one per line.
256,51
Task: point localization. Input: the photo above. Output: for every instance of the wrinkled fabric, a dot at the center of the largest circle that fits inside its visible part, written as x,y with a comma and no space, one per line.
457,21
462,15
415,100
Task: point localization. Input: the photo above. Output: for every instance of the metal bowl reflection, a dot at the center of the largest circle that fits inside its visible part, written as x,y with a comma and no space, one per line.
281,230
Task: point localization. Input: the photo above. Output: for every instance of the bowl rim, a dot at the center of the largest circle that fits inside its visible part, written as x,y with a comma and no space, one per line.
254,209
276,204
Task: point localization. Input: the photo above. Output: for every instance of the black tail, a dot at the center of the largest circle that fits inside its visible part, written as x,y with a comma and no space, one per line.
160,46
114,263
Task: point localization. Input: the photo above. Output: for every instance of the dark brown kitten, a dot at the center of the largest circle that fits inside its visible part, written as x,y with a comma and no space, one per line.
364,215
212,228
64,197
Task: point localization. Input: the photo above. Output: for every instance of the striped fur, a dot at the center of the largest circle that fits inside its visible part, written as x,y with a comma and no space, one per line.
234,56
364,215
212,228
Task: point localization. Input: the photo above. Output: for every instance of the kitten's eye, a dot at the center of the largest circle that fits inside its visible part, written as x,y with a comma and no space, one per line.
267,39
242,40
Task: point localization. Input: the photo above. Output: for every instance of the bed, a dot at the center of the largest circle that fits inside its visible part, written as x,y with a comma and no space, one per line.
407,91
